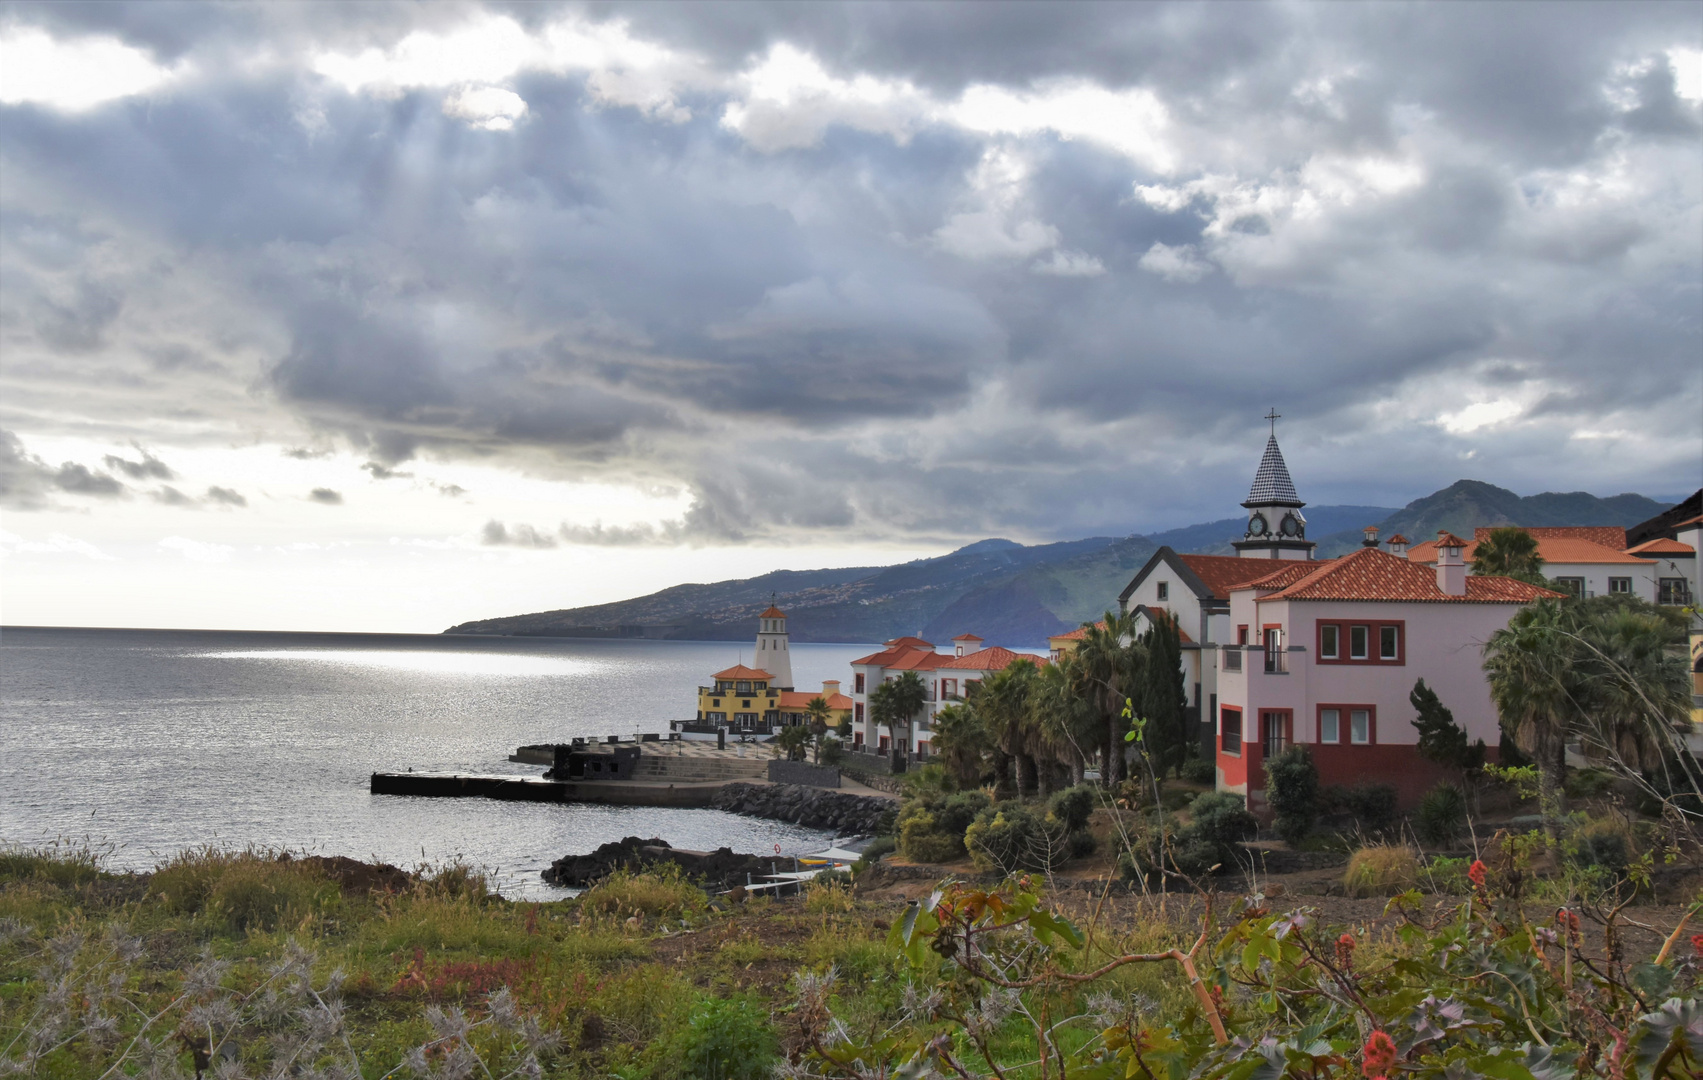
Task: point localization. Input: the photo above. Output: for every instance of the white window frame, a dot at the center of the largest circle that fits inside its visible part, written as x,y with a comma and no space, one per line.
1364,631
1395,640
1360,727
1330,641
1330,726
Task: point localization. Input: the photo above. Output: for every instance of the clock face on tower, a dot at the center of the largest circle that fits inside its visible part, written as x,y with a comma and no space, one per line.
1257,525
1289,526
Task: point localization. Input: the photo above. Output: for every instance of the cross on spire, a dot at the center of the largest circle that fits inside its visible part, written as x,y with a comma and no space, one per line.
1274,416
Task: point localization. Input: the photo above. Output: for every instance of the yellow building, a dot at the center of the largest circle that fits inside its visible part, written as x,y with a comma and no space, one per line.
741,699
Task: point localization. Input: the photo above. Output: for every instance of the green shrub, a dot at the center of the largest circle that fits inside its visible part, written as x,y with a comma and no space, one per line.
1008,837
833,751
1381,870
1074,806
922,840
1218,821
249,889
1372,806
1292,787
1081,844
727,1039
1441,815
1446,875
1587,783
1601,842
1199,771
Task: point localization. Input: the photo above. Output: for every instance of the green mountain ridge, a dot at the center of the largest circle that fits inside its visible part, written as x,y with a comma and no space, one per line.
1017,595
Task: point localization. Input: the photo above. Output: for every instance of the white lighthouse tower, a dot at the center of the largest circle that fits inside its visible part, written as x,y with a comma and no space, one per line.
773,655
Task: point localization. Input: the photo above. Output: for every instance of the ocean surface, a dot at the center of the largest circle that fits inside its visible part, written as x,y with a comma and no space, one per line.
144,743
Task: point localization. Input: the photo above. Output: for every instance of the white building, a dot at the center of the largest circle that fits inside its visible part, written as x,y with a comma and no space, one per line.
1593,560
946,677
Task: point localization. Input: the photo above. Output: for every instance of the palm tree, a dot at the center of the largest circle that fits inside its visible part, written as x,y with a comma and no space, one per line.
1509,552
1004,704
1104,670
818,712
909,694
1066,727
961,741
1536,689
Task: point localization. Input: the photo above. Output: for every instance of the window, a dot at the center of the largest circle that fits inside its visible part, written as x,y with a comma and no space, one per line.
1389,642
745,704
1388,638
1274,731
1330,641
745,688
1360,726
1232,658
922,748
716,702
883,744
949,688
1673,590
1330,725
857,740
1619,585
1276,662
1241,635
1164,591
1572,586
1230,729
857,683
857,712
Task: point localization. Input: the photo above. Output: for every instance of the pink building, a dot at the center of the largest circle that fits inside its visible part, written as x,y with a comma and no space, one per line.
946,677
1333,650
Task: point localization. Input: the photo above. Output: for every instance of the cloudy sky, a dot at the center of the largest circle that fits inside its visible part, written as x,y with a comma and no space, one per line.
385,316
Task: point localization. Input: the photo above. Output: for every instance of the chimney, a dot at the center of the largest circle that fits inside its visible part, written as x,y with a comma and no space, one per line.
1451,571
830,687
1398,545
1371,540
966,645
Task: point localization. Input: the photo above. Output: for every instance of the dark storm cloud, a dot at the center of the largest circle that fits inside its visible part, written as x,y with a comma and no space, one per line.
79,479
326,496
872,316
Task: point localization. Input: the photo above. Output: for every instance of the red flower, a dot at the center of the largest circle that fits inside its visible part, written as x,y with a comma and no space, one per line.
1475,873
1697,944
1345,952
1378,1054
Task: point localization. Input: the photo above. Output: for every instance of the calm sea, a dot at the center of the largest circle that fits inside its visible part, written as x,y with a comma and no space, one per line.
147,742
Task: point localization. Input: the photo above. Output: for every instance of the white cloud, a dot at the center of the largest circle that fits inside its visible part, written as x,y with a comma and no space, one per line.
1070,264
789,100
1131,122
1479,415
72,75
488,107
55,544
1687,72
1181,263
197,551
986,234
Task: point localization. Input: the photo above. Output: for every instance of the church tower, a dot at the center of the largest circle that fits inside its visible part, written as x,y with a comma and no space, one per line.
772,654
1276,527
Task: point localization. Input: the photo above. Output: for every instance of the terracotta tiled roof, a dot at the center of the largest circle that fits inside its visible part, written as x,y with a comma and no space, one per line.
1221,573
1661,545
773,613
1398,538
1369,574
879,659
909,643
1688,521
967,637
1445,538
1289,573
740,671
915,660
1607,535
1077,634
997,658
797,700
1561,550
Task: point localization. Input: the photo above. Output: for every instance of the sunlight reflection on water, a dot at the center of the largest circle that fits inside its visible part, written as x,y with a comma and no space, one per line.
426,663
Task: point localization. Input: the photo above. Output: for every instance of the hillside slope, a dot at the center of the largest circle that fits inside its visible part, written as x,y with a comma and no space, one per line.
1017,595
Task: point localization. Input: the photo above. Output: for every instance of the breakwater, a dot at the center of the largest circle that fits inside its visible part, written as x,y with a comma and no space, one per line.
817,808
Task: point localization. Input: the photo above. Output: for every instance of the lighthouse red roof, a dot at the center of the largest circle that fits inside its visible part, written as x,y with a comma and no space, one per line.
773,613
740,671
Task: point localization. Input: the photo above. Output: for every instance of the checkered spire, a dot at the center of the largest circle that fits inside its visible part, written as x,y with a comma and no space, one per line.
1272,483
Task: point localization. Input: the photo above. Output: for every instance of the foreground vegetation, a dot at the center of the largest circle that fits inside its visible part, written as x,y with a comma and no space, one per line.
256,964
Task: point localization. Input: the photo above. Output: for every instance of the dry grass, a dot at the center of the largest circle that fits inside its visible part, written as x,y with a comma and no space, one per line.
1381,870
662,890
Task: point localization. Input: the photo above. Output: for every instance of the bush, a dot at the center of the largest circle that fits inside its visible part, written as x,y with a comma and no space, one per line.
1372,806
1218,821
1602,842
833,751
1081,844
932,824
1587,783
1441,815
1074,806
1292,787
1381,870
1199,771
660,890
251,889
726,1039
922,840
1009,837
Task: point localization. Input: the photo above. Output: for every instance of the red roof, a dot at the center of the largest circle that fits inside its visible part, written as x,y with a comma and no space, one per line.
740,671
1561,550
1370,574
915,660
1688,521
1398,538
1607,535
997,658
1661,545
967,637
1221,573
773,613
1289,573
1077,634
798,700
909,643
1445,538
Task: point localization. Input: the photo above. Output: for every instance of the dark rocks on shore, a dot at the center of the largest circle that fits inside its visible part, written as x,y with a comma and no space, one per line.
842,812
722,868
